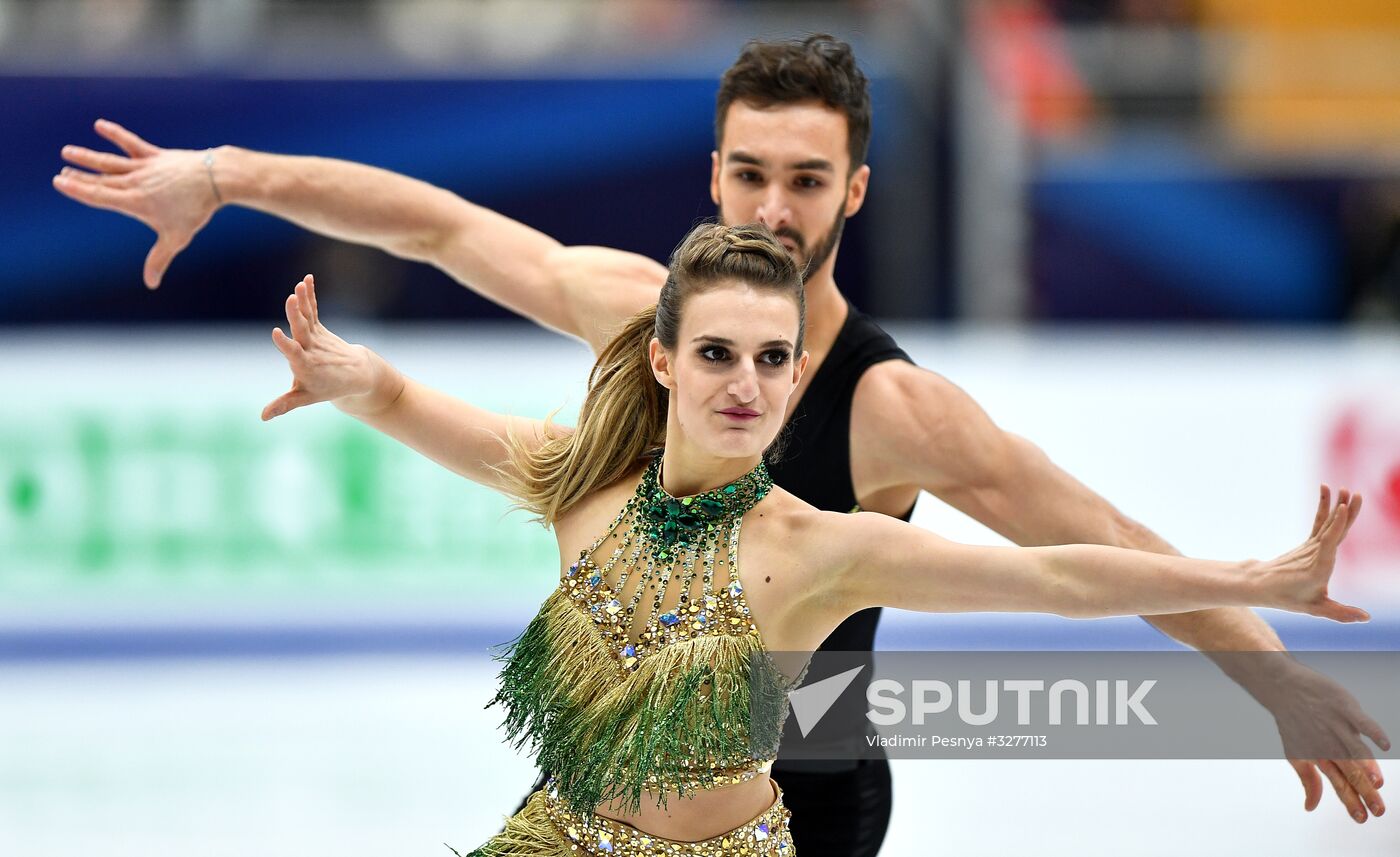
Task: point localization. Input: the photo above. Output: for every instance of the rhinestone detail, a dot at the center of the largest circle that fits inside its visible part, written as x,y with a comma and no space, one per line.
764,836
659,543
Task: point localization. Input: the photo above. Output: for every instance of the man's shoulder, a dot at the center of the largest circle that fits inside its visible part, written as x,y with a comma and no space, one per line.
900,384
866,335
904,414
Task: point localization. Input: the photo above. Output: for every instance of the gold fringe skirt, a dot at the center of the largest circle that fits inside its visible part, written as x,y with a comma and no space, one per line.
544,827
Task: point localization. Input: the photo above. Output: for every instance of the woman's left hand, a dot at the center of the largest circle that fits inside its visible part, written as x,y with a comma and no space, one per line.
1298,580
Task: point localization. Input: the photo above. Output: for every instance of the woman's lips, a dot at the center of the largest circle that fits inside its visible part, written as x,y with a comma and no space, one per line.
742,415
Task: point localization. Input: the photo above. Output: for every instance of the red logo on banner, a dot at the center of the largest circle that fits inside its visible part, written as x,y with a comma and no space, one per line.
1363,453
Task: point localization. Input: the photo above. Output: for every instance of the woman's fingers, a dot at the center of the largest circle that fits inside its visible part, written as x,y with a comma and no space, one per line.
1339,612
301,330
1336,526
129,142
299,319
304,303
1355,510
311,292
295,397
103,162
1324,507
290,348
1332,531
288,401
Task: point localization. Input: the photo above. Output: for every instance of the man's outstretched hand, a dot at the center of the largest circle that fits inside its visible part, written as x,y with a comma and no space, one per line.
170,190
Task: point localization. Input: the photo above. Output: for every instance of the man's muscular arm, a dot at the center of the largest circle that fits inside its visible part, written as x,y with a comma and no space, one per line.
938,437
918,427
582,291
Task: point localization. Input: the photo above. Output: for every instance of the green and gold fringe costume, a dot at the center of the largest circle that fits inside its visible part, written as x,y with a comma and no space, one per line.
644,669
545,827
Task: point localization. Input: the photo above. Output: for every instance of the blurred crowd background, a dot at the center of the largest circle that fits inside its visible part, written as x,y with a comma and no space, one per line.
1034,160
1160,238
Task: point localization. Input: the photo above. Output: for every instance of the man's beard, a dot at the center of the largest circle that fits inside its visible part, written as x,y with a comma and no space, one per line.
824,249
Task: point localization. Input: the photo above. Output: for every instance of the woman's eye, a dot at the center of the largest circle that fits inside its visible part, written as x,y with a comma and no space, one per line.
775,358
713,354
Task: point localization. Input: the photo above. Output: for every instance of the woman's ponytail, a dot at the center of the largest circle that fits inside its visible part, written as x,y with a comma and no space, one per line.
623,416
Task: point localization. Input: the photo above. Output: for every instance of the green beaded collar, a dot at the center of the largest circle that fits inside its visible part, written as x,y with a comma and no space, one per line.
683,521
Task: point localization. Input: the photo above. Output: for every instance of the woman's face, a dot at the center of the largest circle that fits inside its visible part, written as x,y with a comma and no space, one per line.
733,369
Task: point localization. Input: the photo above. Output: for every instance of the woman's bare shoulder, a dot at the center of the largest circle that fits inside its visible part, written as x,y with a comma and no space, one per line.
587,519
798,525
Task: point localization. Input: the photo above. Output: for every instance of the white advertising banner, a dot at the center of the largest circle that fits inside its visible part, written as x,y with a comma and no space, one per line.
139,483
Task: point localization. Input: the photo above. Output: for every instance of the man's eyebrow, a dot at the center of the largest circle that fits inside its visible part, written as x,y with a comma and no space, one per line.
811,164
745,158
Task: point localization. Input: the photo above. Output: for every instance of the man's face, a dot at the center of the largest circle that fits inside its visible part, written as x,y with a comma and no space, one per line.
787,166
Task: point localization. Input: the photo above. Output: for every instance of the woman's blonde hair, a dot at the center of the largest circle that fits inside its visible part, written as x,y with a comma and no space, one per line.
624,414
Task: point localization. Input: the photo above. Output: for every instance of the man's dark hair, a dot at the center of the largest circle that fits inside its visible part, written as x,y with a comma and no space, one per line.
817,68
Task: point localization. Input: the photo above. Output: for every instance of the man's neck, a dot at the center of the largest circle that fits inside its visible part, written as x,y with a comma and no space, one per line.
826,313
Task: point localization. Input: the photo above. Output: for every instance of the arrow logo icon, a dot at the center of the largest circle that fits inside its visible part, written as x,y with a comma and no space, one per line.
811,702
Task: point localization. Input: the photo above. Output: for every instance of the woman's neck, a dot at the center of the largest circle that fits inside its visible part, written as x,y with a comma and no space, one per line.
685,472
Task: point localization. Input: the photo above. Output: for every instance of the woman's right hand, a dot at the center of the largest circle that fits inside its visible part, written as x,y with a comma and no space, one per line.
325,368
1297,581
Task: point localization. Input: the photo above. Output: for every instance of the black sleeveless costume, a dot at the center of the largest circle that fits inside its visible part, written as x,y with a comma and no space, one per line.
839,807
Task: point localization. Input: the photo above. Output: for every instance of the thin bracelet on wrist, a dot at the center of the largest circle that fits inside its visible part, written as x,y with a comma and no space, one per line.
209,168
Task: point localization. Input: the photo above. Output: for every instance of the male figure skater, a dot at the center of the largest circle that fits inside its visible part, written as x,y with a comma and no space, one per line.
792,127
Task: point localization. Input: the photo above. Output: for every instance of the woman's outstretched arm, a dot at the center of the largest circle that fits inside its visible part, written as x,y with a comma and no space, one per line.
325,368
891,563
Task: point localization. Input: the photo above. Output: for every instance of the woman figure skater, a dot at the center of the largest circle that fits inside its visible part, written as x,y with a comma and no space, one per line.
633,682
